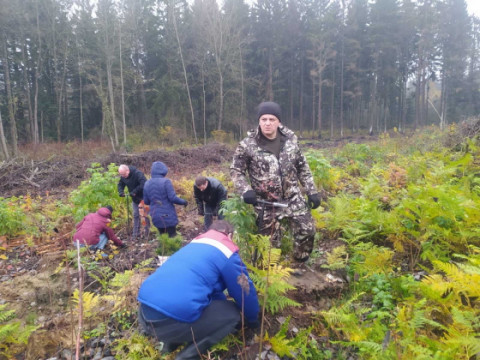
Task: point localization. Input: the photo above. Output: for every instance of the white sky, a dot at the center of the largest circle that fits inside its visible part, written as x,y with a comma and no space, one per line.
473,7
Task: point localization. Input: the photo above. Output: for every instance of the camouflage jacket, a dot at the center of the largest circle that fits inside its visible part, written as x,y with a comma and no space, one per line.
273,179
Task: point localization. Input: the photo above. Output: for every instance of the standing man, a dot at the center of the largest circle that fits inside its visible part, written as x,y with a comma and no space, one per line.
134,180
209,194
275,166
183,301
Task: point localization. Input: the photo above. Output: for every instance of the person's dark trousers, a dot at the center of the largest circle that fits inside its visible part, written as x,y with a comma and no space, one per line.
171,231
210,212
136,222
218,320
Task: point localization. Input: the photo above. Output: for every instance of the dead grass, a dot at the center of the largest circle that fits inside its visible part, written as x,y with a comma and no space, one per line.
75,149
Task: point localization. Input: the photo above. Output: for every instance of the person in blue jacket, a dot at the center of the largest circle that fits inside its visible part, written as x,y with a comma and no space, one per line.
183,301
159,193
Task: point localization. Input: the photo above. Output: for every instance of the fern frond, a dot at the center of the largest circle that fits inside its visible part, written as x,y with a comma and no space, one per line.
8,330
469,269
272,284
6,315
436,283
91,302
121,279
275,255
370,347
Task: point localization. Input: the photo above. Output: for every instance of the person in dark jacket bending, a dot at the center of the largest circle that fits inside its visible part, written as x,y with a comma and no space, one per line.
160,195
183,301
209,194
94,231
134,180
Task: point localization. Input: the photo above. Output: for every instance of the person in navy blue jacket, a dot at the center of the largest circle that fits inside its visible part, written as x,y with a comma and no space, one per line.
183,301
159,193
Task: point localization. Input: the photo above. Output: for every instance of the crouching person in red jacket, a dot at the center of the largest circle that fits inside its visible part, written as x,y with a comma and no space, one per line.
93,231
183,302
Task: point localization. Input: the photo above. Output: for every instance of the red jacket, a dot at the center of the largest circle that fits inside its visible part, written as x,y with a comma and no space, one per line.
92,225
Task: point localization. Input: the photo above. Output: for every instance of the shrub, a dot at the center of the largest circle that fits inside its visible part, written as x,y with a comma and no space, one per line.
12,217
99,190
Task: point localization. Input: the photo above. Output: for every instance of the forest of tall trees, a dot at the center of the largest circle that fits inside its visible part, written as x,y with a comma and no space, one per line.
78,69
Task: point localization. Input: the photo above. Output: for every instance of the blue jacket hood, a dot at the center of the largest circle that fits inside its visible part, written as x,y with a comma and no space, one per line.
159,169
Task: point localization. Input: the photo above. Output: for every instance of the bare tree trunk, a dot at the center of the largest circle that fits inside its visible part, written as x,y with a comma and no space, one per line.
313,104
80,90
319,115
444,105
332,102
37,75
3,140
385,114
204,104
60,95
292,69
27,92
184,73
269,94
243,124
41,126
221,97
373,104
121,84
302,65
427,99
403,118
342,62
10,104
109,59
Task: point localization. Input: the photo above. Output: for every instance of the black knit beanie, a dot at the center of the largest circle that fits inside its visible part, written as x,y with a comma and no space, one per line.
109,208
269,107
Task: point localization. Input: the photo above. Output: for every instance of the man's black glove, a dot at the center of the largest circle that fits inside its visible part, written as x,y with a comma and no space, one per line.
250,197
121,194
186,203
314,201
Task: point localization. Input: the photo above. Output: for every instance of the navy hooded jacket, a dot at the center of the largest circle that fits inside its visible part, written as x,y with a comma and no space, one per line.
160,195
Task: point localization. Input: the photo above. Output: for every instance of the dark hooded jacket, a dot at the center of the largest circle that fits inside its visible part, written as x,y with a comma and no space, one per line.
92,225
160,195
134,182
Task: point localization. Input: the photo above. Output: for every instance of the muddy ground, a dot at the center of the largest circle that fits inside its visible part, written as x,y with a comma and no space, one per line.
30,278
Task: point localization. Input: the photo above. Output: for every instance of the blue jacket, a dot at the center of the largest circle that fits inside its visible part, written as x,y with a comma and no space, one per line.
197,274
160,195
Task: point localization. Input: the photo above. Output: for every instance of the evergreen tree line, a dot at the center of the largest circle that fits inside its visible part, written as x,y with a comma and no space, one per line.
77,69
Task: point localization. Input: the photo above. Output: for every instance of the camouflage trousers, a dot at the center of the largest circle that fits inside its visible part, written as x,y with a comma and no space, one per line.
301,225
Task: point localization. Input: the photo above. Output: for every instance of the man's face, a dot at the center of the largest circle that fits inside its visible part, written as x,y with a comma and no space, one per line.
124,173
203,186
269,125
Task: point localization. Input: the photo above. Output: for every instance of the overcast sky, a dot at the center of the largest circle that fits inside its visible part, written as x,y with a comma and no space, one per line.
474,7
